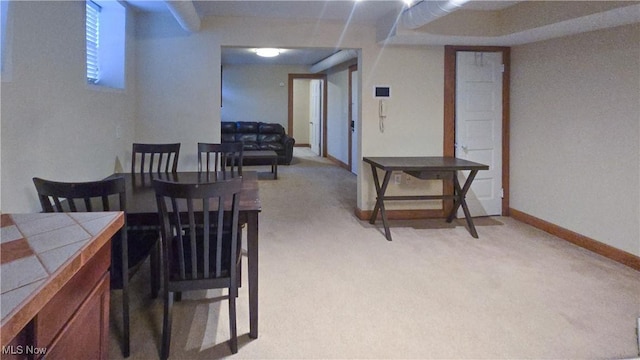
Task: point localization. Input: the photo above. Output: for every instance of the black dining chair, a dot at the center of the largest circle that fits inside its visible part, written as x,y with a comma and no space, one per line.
149,158
201,244
129,248
219,157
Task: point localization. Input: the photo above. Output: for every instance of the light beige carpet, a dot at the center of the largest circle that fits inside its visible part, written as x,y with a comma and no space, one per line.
332,287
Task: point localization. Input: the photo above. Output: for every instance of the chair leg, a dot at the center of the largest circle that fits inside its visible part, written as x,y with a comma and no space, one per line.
239,273
125,317
233,293
166,325
638,335
155,271
125,299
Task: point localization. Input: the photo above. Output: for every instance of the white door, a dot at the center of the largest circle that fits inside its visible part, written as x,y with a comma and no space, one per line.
478,132
315,108
355,160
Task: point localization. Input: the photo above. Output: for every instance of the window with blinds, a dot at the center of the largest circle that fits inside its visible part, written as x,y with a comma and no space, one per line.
4,7
93,41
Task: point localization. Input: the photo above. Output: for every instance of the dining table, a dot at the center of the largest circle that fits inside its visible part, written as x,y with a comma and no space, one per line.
141,210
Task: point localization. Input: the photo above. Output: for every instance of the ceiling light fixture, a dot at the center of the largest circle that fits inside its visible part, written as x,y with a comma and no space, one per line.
268,52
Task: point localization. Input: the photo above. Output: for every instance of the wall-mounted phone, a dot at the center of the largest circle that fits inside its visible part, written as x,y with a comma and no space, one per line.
382,93
382,108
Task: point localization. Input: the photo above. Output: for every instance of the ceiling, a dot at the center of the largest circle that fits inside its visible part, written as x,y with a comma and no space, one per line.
374,13
357,12
297,56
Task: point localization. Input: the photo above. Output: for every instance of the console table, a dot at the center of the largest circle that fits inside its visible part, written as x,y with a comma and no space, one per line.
424,167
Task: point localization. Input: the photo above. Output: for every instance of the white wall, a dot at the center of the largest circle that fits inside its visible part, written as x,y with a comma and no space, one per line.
301,111
414,123
179,86
257,92
575,134
54,125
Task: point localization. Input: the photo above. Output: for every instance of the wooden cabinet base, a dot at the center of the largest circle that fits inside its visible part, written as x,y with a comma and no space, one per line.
90,323
74,324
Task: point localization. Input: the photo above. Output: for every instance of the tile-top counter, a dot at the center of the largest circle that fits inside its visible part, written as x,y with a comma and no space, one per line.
40,253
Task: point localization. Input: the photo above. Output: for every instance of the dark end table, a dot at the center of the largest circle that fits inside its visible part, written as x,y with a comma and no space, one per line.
269,155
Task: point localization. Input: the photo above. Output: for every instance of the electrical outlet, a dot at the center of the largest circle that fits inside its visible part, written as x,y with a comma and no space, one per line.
408,179
397,178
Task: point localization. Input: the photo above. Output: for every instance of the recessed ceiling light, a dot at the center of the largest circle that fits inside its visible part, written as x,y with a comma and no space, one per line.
268,52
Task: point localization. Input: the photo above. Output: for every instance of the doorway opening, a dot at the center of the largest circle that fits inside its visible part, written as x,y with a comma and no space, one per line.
307,114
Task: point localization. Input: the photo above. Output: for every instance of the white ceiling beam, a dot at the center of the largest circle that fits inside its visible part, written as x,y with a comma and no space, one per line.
625,15
425,12
185,13
333,60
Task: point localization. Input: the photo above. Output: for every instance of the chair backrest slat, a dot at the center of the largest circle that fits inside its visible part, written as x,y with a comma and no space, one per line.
206,235
192,239
221,202
225,155
155,158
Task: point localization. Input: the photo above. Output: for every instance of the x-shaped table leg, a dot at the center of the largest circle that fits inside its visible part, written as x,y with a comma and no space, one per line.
380,190
459,199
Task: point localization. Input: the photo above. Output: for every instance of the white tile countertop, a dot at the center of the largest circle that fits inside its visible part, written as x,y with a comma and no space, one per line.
40,253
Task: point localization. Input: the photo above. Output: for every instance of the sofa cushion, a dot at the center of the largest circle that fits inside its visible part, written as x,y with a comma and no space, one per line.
247,138
228,127
269,138
250,145
250,141
270,128
271,146
247,127
228,137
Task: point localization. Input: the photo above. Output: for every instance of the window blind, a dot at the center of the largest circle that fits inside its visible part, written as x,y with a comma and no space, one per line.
93,36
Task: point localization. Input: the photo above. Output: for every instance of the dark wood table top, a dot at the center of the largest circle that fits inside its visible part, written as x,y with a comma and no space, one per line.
423,163
141,200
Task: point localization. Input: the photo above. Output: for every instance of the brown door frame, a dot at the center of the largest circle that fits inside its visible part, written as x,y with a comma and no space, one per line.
450,115
323,119
352,69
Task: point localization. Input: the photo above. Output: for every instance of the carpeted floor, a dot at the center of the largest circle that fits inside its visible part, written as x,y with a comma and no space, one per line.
332,287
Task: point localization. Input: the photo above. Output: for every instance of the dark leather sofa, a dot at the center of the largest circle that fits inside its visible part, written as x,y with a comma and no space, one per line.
260,136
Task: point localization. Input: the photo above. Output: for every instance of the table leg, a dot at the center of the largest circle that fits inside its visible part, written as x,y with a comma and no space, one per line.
274,169
380,191
252,254
376,183
461,193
